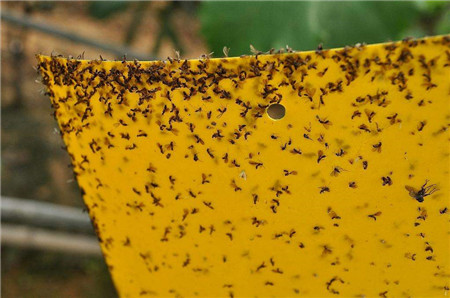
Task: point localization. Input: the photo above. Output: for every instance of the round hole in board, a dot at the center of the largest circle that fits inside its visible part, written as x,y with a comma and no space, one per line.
276,111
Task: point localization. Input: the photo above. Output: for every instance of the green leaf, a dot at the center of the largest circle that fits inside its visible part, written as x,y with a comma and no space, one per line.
346,23
302,25
443,25
261,24
430,7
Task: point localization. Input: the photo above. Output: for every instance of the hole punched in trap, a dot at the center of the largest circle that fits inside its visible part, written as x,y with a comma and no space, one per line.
276,111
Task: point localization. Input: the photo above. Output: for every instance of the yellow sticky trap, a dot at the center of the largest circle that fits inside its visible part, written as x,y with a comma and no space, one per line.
195,191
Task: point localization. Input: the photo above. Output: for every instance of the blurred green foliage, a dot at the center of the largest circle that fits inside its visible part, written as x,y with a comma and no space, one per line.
443,26
105,9
303,25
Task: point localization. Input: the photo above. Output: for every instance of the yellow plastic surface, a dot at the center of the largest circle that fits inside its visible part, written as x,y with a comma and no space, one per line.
194,191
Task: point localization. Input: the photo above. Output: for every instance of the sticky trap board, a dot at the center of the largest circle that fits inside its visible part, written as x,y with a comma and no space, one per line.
194,190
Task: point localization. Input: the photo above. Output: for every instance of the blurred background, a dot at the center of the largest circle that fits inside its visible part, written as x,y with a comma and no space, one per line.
48,247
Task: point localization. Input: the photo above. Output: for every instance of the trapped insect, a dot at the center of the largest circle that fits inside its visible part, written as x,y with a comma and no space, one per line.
424,191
